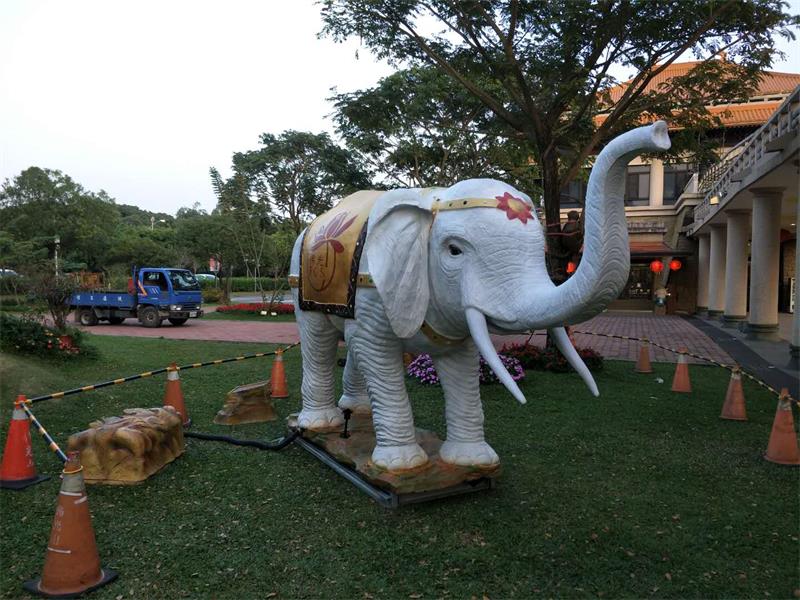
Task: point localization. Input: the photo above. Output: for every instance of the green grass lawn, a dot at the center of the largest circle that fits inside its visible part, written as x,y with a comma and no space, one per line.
638,493
222,316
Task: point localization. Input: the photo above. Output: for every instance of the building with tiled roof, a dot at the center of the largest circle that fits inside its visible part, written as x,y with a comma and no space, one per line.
657,207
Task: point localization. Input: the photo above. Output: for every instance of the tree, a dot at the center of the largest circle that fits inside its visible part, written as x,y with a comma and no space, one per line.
544,68
419,128
295,175
39,205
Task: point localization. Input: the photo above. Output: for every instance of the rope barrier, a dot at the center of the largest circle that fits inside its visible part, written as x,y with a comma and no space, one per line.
97,386
751,377
51,443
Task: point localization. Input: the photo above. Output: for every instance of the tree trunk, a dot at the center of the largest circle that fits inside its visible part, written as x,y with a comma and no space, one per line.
551,191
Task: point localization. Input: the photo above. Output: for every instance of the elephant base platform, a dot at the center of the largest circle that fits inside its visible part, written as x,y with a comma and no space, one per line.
351,458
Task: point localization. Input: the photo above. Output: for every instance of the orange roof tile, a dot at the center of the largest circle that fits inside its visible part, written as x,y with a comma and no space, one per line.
732,115
772,82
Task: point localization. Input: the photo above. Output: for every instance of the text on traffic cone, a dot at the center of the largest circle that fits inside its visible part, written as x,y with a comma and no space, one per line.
782,447
71,564
18,470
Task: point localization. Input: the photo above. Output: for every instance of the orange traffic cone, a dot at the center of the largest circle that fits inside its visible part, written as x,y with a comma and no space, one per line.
71,564
174,396
18,470
782,447
734,408
680,382
278,377
643,364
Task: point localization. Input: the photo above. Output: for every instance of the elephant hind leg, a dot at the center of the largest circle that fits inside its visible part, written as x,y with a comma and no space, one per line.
355,396
319,340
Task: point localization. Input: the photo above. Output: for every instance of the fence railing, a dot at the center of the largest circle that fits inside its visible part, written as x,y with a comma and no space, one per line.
720,181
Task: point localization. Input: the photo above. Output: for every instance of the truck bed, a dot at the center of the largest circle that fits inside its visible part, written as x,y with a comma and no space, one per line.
104,298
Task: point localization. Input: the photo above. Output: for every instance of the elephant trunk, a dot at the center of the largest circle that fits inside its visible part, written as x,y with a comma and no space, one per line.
605,265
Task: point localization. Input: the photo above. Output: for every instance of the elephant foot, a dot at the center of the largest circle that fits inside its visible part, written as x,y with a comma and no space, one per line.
468,454
320,419
359,405
397,458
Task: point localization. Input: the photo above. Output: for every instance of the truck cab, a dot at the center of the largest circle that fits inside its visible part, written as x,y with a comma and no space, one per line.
153,294
173,293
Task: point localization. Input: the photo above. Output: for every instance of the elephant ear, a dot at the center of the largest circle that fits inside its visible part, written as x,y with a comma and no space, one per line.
397,251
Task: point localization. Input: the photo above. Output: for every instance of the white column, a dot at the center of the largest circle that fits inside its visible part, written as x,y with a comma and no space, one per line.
764,265
794,347
703,257
656,182
736,267
716,271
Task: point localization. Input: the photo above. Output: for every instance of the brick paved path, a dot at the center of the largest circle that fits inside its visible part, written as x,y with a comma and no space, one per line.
670,331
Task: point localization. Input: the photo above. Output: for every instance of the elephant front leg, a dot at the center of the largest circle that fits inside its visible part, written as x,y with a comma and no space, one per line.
380,360
465,444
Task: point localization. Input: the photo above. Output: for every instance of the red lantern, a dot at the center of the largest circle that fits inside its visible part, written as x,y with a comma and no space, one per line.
656,266
571,267
675,265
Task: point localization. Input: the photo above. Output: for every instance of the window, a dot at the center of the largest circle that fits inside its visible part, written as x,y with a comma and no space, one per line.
156,278
183,281
675,179
574,194
637,186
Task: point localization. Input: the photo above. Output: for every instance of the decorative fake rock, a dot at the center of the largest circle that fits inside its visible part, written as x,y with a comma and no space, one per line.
249,403
129,449
355,451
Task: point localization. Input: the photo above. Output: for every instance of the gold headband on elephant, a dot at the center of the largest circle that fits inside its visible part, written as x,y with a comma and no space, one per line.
515,208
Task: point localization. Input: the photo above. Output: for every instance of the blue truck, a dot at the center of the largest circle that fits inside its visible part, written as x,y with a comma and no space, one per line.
153,294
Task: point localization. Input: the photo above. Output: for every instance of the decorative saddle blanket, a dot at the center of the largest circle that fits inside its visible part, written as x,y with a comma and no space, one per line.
331,253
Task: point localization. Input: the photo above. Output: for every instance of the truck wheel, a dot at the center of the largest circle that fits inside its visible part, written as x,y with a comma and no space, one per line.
116,320
149,317
178,321
86,317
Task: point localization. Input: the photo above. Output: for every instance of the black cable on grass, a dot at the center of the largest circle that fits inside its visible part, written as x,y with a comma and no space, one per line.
275,446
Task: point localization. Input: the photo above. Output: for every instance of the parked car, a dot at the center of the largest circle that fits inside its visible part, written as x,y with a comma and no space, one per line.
205,277
8,273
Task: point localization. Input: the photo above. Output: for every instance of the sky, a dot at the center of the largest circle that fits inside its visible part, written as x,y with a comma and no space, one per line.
140,99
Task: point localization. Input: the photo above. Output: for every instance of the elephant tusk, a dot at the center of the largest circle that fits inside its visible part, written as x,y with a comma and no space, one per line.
564,344
479,331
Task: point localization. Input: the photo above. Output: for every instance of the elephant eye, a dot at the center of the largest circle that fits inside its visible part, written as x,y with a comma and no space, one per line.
454,250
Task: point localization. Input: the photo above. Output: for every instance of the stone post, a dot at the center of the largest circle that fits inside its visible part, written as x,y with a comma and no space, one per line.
656,182
736,267
703,258
716,271
764,264
794,346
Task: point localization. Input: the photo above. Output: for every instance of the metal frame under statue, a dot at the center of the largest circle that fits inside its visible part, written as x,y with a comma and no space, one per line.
437,270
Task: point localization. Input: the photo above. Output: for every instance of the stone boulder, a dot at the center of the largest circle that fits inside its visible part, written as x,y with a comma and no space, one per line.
249,403
129,449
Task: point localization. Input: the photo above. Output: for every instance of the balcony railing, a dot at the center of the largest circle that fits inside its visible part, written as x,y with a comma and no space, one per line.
720,181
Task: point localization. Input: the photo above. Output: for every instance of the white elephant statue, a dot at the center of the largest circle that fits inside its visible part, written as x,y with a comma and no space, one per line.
440,270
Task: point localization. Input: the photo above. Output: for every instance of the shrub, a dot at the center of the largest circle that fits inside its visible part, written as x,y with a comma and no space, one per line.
422,369
28,336
248,284
255,308
550,358
211,294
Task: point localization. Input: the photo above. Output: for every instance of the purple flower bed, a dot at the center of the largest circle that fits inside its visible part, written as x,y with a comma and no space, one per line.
422,369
